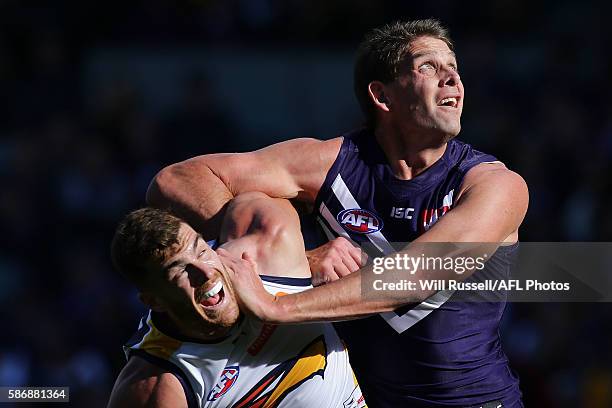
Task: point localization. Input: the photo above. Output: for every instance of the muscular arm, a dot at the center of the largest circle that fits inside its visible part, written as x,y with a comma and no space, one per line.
198,189
268,230
492,205
143,385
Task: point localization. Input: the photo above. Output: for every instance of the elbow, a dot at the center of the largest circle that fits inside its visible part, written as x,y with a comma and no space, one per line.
275,236
163,187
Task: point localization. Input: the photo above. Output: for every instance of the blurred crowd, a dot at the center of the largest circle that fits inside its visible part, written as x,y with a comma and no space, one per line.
76,156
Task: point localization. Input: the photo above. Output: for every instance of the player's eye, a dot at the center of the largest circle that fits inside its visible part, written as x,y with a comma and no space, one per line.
176,273
427,68
180,272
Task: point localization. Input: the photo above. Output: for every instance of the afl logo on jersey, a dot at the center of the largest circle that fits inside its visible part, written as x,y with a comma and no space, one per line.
228,378
359,221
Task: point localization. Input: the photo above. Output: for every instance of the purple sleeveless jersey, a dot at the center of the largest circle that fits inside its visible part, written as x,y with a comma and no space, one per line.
448,355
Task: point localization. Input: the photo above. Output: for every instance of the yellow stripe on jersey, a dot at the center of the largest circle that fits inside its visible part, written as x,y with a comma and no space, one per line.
157,343
311,361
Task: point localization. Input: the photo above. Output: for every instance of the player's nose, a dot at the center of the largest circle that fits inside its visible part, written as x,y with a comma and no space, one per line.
450,78
200,273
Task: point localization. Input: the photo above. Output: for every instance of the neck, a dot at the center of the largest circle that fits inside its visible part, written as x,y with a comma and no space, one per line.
409,153
182,329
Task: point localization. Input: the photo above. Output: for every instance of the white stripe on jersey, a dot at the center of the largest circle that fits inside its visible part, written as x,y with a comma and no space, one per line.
275,287
347,201
417,313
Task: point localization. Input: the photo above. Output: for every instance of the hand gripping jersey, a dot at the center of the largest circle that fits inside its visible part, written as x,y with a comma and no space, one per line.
257,365
439,353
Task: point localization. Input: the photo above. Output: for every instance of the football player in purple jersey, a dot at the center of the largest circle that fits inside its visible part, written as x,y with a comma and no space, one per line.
405,161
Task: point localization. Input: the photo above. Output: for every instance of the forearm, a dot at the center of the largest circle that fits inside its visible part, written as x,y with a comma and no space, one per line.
357,295
191,190
335,301
485,215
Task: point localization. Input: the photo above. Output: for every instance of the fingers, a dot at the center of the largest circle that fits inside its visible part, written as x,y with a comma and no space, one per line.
234,265
349,250
350,263
356,254
250,261
223,253
334,260
350,254
226,259
342,269
329,273
324,277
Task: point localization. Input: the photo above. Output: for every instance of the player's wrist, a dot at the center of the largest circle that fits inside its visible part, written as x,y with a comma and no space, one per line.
277,311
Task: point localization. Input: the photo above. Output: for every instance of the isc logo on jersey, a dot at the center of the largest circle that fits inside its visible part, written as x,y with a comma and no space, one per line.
360,221
228,378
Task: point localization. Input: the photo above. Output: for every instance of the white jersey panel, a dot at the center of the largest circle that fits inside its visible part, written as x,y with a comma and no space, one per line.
297,366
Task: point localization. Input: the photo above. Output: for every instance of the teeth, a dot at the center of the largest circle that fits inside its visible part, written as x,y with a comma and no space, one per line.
445,100
215,289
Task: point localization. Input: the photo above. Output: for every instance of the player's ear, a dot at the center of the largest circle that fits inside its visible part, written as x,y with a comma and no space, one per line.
379,97
151,301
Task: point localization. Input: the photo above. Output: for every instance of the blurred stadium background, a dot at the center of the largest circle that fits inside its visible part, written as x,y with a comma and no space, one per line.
97,96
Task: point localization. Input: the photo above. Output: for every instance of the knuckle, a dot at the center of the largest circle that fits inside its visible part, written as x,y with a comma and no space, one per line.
344,242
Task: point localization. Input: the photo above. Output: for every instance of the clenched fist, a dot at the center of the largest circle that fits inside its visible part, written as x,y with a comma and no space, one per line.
334,260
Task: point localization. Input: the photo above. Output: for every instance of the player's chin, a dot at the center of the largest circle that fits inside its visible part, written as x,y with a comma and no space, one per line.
454,131
450,128
224,318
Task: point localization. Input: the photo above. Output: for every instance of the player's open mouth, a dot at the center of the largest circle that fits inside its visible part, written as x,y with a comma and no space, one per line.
213,296
451,102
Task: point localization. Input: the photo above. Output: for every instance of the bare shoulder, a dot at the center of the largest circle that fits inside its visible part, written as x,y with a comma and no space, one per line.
142,384
490,207
496,178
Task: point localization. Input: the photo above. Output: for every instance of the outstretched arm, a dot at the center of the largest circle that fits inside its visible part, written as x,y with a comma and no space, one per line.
492,205
198,189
